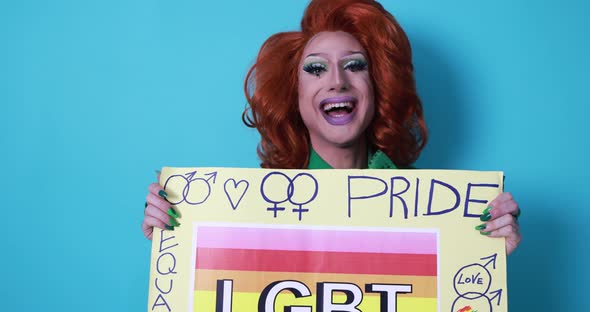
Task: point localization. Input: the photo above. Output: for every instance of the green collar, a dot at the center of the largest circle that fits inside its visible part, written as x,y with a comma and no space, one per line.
376,161
317,162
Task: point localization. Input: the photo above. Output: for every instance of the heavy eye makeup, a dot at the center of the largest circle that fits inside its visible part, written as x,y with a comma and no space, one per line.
356,64
315,66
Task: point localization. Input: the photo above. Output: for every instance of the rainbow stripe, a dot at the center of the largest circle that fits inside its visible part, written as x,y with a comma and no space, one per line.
254,257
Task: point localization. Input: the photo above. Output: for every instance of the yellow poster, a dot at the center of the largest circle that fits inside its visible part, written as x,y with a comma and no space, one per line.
327,240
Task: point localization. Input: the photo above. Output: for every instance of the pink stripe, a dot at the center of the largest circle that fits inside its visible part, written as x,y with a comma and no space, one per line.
316,240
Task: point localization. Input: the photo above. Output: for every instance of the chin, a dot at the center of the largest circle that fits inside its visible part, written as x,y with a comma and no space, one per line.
345,141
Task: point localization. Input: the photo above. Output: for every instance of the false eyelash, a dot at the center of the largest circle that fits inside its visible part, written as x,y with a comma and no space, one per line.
315,68
356,65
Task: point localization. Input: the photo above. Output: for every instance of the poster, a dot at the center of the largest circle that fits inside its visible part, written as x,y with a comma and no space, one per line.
327,240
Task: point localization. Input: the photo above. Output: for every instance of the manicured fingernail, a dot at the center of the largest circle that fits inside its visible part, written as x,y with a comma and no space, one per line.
158,172
145,205
172,212
485,214
480,227
485,233
168,227
173,222
163,194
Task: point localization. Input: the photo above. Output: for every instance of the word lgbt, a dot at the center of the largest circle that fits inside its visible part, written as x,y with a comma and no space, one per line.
325,292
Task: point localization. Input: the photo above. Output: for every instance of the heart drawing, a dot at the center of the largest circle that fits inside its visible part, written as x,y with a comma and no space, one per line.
235,190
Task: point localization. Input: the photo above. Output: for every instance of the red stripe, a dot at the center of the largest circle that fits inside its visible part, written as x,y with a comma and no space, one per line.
315,261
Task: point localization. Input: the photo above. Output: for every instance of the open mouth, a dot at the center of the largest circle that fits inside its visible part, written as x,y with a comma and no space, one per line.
338,111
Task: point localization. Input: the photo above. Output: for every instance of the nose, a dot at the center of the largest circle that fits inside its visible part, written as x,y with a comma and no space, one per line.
338,80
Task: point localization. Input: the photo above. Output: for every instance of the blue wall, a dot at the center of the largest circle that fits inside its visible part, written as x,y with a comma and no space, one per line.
95,95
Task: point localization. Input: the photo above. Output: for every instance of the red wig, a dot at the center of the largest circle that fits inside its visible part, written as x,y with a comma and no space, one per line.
398,128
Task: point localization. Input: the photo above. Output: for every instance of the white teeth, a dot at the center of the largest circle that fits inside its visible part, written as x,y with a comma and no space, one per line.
331,106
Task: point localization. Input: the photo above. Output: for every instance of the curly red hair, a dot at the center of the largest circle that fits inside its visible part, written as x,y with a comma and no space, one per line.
398,128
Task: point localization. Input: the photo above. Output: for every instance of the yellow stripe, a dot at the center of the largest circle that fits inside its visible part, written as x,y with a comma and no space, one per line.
248,281
204,301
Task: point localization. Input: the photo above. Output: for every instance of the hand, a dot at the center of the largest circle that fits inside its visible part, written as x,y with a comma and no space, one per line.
502,221
158,211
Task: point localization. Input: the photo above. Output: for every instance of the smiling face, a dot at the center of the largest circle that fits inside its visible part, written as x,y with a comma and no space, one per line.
336,98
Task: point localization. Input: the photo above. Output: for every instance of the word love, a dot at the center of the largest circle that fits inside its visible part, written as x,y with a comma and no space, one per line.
471,279
325,291
402,191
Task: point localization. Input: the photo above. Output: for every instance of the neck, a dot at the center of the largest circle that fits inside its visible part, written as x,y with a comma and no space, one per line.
349,157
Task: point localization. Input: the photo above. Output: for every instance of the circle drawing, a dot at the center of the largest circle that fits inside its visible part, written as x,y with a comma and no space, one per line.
472,281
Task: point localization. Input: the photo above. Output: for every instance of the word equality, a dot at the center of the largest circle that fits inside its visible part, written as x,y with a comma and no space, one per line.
325,290
166,268
400,190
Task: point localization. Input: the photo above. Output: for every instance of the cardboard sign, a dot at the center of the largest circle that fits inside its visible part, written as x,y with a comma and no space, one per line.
327,240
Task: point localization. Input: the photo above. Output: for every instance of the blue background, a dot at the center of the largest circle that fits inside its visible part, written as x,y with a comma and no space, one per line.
96,95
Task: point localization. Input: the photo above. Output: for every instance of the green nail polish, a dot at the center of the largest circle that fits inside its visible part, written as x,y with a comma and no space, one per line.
173,222
168,227
163,194
480,227
485,233
172,212
487,210
485,217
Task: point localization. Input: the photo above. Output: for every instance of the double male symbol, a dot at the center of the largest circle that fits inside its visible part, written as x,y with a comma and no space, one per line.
201,188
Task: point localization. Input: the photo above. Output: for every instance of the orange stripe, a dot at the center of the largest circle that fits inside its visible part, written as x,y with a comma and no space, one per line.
249,281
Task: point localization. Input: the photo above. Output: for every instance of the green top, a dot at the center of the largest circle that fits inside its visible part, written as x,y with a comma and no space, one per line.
376,161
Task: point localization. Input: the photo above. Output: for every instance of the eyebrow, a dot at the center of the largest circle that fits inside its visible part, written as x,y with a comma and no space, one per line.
326,55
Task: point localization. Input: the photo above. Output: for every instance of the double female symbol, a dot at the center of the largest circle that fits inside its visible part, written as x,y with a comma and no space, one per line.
277,181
